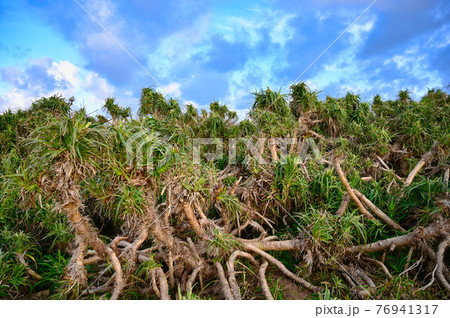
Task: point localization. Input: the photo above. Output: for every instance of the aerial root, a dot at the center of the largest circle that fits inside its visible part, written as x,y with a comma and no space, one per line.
21,258
247,223
192,220
115,242
225,287
349,190
432,231
170,264
263,281
441,262
92,260
190,281
119,283
266,245
163,285
408,258
273,149
232,274
422,162
344,204
358,280
282,268
153,283
76,267
100,289
382,266
378,212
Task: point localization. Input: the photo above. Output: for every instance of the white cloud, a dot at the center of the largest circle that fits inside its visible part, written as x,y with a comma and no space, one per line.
64,70
178,48
88,87
172,89
360,31
281,32
416,66
101,9
94,37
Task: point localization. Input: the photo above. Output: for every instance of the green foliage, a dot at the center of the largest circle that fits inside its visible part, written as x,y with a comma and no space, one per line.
54,105
222,243
115,111
303,99
119,164
153,103
12,276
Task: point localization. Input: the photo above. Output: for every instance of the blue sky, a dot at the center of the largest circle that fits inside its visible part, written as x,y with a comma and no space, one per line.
202,51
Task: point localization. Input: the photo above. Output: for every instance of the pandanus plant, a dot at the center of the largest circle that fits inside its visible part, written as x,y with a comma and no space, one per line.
115,111
65,151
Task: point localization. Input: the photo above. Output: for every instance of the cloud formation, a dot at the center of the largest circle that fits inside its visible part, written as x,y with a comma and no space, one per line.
221,50
45,77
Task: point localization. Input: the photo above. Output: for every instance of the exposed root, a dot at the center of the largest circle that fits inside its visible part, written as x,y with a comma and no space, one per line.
92,260
192,220
163,285
441,263
290,245
382,266
100,289
76,270
119,283
431,232
199,210
282,268
358,280
115,242
433,272
378,212
344,204
422,162
225,287
235,185
311,132
408,259
350,191
190,281
153,282
170,264
263,281
273,149
383,164
232,274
